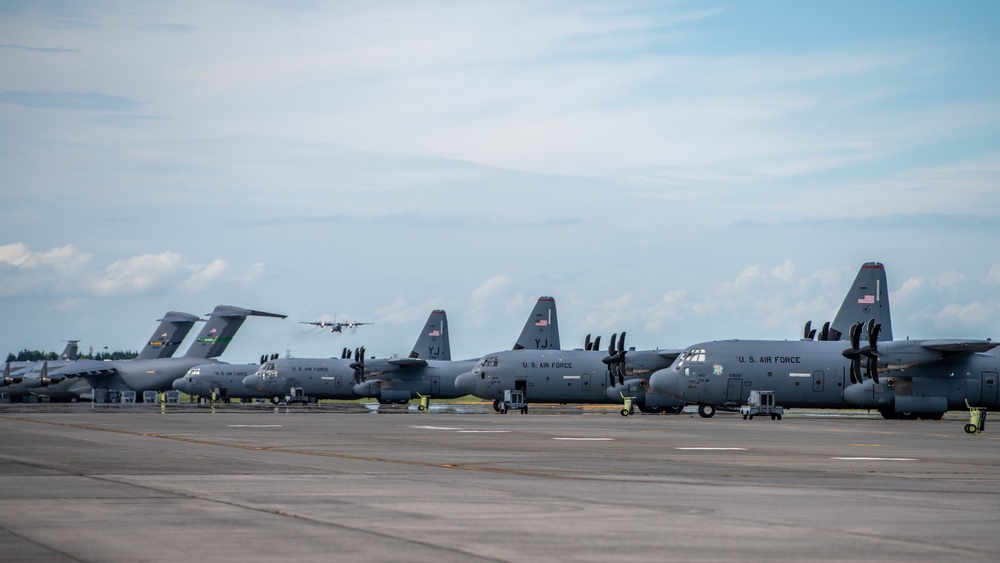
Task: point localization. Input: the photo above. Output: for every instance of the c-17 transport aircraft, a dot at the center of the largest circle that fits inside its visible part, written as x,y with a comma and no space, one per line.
919,376
158,374
428,370
168,336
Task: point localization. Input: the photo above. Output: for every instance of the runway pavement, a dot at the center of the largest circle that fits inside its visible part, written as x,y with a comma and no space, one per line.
239,483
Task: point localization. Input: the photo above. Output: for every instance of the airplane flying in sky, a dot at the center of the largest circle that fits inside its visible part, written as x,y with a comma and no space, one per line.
158,374
335,326
428,370
919,376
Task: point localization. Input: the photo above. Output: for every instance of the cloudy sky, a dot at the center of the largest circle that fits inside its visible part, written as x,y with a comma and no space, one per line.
685,171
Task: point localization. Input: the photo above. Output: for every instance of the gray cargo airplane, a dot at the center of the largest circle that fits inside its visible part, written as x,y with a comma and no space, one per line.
919,375
578,376
224,380
428,370
168,336
19,382
571,376
158,374
335,326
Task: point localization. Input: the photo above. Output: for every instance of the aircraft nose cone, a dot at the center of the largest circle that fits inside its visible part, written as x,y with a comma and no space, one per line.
465,383
180,384
665,381
253,381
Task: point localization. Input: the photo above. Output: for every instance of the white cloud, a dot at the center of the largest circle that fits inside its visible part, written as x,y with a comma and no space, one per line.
203,275
993,278
138,274
907,291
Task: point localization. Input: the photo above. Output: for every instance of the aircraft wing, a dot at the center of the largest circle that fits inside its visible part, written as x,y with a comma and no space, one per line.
669,354
408,362
970,346
86,368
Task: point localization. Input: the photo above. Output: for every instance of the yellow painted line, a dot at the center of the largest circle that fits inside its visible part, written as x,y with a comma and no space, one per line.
939,435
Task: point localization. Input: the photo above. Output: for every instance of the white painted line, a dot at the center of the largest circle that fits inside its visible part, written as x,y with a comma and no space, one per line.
876,458
713,449
587,439
800,375
484,431
254,425
436,427
571,377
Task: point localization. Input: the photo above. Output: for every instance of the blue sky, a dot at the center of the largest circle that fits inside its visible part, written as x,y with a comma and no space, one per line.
684,171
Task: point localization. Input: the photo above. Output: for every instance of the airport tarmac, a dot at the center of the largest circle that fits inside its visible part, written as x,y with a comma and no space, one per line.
249,483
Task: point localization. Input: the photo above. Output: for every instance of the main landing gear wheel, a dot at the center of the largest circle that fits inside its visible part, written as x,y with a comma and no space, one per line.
496,405
706,411
275,400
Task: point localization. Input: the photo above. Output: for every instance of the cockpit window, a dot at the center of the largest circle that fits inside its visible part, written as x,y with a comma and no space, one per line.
694,355
489,362
194,371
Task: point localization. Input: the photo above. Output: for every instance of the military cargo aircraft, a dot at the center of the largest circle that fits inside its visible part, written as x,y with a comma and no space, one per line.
428,370
18,376
158,374
219,381
571,376
587,376
168,336
335,326
920,375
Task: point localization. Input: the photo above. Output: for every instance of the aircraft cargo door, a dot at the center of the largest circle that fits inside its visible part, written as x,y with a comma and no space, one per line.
735,390
989,388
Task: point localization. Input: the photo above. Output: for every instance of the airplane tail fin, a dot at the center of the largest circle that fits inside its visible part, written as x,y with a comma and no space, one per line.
868,298
541,331
433,343
71,350
222,324
167,337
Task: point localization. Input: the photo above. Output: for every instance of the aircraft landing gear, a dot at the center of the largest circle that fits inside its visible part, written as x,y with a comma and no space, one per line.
496,405
276,400
706,411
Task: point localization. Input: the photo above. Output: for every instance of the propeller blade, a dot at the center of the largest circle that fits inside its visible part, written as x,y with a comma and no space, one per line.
855,336
824,334
856,370
806,332
621,343
587,343
597,343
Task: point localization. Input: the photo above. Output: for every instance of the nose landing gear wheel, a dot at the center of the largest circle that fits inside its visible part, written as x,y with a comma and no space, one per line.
706,411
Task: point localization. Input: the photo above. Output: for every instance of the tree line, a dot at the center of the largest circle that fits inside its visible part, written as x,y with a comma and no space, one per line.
39,356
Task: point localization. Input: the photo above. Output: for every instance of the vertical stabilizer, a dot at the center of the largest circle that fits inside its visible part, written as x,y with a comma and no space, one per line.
868,298
541,331
222,324
70,351
167,337
433,342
